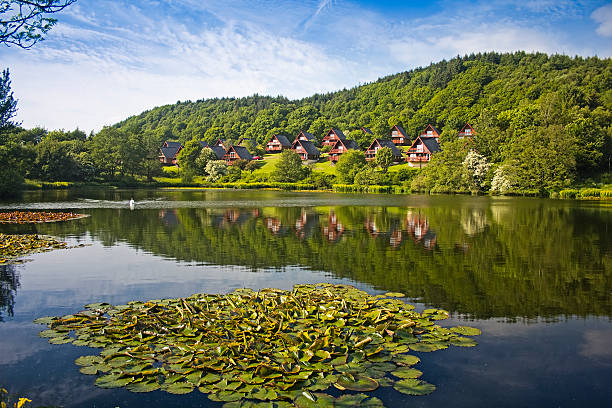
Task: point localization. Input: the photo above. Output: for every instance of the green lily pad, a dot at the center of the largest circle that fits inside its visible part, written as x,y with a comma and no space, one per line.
466,330
112,381
406,359
356,383
406,372
178,388
350,400
395,294
414,387
143,386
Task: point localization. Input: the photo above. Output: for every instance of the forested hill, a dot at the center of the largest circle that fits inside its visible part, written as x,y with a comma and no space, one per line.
504,96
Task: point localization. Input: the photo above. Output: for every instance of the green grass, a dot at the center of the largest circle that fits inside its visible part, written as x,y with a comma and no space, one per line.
170,171
324,166
269,163
398,167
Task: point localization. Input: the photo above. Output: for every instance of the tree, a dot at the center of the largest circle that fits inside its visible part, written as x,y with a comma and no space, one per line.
289,168
252,166
8,104
186,159
349,164
215,170
384,158
206,155
476,167
25,22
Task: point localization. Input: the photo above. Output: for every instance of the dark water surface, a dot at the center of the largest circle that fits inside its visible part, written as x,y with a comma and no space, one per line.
534,275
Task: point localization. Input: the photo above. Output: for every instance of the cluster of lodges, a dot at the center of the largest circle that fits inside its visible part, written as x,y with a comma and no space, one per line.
169,151
419,151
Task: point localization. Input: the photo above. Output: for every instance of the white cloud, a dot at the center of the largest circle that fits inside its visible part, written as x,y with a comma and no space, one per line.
122,75
419,51
603,16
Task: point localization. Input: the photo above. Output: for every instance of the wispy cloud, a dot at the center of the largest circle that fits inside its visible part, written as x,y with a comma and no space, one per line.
108,59
603,16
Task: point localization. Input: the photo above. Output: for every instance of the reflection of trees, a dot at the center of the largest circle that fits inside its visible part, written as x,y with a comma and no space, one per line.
530,259
9,282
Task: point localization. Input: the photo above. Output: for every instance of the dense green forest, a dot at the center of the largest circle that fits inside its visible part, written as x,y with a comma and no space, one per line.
543,123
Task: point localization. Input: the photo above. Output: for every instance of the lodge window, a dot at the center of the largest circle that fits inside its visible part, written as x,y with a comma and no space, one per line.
468,131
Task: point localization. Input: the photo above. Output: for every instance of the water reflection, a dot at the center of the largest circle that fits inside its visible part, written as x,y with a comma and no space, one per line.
9,283
507,259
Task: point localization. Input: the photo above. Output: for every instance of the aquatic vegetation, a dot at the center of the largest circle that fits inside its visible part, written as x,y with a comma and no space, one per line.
5,400
25,217
284,347
14,246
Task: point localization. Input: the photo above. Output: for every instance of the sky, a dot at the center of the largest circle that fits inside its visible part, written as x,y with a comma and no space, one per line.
106,60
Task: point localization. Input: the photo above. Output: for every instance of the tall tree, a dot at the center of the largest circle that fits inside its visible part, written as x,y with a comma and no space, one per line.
25,22
8,104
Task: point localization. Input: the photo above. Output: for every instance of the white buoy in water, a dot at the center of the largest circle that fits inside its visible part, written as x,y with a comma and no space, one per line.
131,203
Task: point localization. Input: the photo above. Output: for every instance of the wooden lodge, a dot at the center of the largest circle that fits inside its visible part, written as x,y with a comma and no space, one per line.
340,147
431,131
421,149
370,153
221,143
169,151
466,132
332,136
277,144
399,136
309,137
235,153
306,149
219,151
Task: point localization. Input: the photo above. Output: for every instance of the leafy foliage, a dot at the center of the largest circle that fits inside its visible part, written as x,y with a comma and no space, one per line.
289,168
24,22
269,345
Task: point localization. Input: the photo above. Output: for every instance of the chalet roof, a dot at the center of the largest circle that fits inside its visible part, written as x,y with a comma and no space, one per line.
349,144
400,129
246,139
169,143
218,150
432,127
203,144
308,146
242,152
307,135
222,141
337,133
367,130
170,152
389,144
283,140
467,125
431,144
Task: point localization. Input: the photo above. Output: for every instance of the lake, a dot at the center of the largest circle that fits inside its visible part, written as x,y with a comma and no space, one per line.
534,275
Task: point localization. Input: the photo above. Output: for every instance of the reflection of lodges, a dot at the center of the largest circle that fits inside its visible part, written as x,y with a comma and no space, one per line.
334,230
395,235
235,216
275,226
169,218
418,228
305,225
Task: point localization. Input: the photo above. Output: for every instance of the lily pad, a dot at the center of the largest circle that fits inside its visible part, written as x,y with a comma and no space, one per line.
414,387
466,330
356,383
406,372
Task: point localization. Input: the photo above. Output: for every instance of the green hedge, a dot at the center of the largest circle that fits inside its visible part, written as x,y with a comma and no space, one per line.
260,185
568,193
590,193
355,188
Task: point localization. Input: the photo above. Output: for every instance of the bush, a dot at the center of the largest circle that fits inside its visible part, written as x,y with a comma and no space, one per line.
568,194
605,194
590,193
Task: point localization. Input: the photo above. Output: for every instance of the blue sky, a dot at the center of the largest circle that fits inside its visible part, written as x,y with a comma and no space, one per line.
106,60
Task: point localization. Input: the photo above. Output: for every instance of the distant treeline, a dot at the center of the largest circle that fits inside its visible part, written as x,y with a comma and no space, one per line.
542,122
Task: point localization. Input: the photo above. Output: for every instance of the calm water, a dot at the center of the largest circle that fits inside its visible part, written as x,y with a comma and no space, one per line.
534,275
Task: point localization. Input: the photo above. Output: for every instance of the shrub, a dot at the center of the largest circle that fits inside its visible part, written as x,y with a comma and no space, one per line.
568,193
590,193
